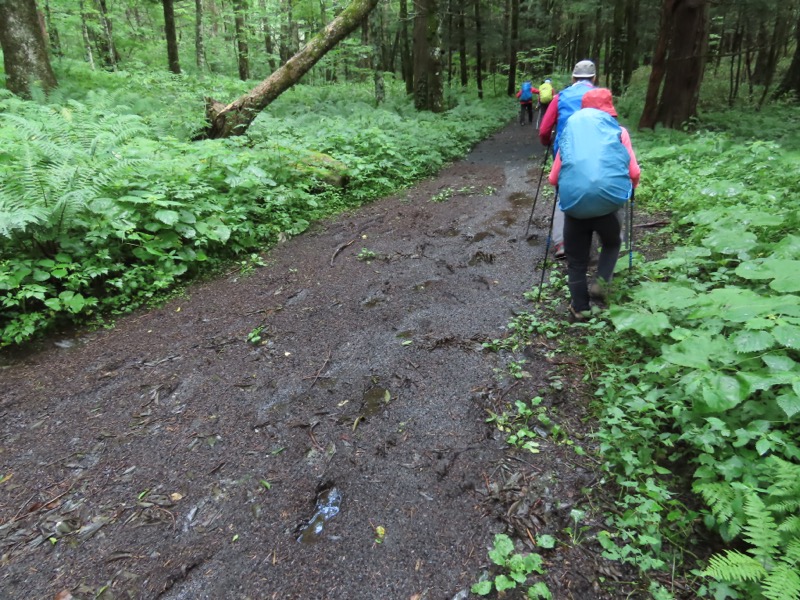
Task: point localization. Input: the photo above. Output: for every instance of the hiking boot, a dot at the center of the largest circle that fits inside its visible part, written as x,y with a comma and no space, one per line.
558,251
577,316
598,292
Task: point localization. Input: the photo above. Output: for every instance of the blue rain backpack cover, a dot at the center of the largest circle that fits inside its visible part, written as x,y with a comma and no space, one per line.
594,178
527,92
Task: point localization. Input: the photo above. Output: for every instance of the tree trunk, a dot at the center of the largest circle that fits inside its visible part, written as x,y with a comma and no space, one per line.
24,48
172,36
236,117
791,80
779,33
406,60
599,36
512,48
658,68
614,71
680,61
242,51
87,44
111,57
52,31
199,39
428,92
762,57
462,46
478,55
287,25
632,25
269,46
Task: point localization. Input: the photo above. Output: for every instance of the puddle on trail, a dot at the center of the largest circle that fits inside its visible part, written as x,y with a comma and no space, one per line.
520,199
480,236
480,257
420,287
375,400
372,301
329,503
509,217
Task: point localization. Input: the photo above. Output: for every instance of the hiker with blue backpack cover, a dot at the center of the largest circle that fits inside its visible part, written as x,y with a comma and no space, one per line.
596,172
525,95
561,108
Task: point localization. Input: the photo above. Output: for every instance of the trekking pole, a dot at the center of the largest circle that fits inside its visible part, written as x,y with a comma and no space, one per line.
547,246
630,230
538,187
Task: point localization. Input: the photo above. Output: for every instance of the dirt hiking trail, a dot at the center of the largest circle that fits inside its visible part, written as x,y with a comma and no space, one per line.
343,455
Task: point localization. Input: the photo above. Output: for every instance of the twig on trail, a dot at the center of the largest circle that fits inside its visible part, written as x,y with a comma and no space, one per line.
314,439
18,517
217,468
340,248
528,531
58,460
525,462
322,368
21,508
653,224
511,387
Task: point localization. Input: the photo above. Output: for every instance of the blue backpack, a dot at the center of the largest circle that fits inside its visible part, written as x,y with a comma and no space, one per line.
527,94
594,178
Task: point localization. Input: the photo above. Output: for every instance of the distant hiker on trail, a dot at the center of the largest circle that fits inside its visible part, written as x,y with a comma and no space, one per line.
595,170
525,95
545,97
563,105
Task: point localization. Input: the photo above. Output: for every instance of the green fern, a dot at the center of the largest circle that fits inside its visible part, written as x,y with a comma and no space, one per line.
61,166
760,530
735,566
782,584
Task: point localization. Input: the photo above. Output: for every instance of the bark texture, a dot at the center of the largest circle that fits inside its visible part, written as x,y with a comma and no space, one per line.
791,80
24,48
236,117
679,61
428,90
199,37
172,36
242,50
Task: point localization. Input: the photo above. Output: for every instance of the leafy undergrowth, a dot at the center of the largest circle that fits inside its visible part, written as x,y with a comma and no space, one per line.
106,204
696,373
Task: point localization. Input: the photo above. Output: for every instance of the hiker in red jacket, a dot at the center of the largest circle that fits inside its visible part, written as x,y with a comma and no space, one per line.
588,210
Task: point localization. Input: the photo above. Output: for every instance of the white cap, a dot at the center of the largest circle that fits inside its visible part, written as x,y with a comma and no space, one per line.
583,69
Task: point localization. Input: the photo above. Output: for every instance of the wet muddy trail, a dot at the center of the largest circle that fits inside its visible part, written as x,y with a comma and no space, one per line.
311,428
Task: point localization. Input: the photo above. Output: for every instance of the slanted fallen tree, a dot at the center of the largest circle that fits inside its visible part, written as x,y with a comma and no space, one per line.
234,118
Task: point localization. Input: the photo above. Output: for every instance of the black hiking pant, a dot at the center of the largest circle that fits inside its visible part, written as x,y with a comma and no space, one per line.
577,247
526,107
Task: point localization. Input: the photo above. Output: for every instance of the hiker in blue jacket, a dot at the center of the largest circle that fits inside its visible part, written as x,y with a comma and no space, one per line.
563,105
525,96
595,170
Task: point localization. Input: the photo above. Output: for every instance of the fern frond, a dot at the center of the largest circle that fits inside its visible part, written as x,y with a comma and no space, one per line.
735,566
719,497
785,479
16,215
792,554
760,530
790,525
782,584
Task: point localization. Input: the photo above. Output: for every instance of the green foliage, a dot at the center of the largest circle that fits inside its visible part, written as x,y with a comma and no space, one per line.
104,207
705,381
366,255
514,570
